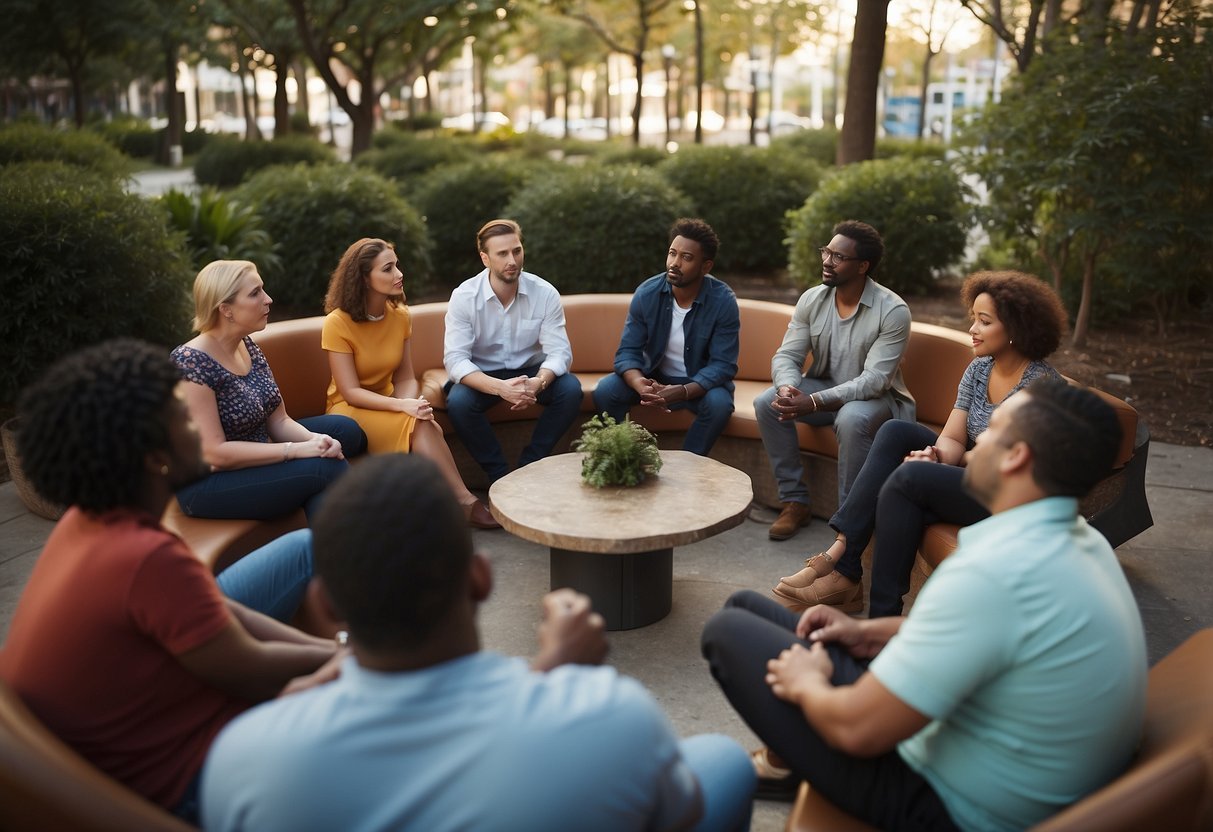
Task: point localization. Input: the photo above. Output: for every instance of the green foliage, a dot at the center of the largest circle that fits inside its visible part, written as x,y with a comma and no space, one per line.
81,260
819,145
1098,158
405,157
36,143
313,213
300,126
217,227
889,148
918,207
616,454
420,120
630,154
743,193
132,136
457,200
598,229
226,161
193,141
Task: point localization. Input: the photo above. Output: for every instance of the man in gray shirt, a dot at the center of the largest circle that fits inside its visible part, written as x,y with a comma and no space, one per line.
856,331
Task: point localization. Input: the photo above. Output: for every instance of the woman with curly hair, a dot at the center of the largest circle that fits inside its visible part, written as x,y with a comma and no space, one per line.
366,334
1017,322
264,463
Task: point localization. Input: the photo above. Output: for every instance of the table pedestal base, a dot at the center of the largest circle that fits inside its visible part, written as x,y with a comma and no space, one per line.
628,591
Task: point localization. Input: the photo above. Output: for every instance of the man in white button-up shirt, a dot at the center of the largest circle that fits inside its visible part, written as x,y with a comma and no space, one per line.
505,339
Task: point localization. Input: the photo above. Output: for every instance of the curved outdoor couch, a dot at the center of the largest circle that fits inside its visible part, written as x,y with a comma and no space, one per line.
932,366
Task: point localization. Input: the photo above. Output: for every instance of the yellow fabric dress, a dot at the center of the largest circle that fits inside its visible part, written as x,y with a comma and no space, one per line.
378,349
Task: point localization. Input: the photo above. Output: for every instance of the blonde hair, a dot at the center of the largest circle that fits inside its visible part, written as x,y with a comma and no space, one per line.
216,284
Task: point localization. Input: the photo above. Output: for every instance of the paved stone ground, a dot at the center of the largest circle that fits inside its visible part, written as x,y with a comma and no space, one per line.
1166,566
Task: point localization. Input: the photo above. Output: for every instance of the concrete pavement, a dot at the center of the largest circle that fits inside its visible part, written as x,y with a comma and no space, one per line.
1166,566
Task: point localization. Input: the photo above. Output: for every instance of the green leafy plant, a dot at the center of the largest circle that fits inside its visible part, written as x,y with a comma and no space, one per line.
218,227
743,193
920,209
819,145
616,453
84,149
227,161
81,260
598,229
404,157
313,213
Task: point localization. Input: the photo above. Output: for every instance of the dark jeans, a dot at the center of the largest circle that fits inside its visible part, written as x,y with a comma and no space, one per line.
466,408
267,491
712,410
738,642
898,501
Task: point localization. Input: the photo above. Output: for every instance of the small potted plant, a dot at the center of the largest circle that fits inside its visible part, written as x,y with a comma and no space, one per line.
616,453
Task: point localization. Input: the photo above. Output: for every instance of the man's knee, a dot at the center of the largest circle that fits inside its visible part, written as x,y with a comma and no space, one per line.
612,394
860,420
762,407
566,388
717,404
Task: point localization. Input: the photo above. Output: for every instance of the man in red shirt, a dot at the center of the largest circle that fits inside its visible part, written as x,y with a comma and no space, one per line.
123,643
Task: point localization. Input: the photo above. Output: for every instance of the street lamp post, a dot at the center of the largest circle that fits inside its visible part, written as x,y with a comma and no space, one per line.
667,57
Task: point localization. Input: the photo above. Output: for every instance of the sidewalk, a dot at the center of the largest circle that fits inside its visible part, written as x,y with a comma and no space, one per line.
1166,566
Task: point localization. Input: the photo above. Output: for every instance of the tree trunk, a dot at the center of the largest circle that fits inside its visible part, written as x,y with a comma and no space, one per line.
698,74
568,93
77,79
282,106
172,131
857,141
1082,321
248,101
302,102
638,63
922,94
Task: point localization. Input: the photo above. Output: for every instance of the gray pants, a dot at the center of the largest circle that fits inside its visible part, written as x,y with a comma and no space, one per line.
855,425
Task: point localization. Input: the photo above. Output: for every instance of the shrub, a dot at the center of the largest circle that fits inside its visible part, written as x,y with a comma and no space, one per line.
36,143
456,200
133,137
218,227
404,157
226,161
819,145
743,193
194,141
81,260
918,207
300,125
890,148
313,213
644,156
598,229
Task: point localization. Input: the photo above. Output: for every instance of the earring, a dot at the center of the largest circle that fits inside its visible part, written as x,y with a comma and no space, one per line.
164,470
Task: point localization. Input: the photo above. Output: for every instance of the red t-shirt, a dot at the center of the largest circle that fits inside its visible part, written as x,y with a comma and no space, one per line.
112,600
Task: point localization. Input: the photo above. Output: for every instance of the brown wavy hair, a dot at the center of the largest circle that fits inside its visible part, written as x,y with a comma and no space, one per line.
347,286
1028,307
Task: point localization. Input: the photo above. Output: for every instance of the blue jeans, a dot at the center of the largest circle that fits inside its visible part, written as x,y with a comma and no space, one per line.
712,410
855,425
273,579
726,781
267,491
467,409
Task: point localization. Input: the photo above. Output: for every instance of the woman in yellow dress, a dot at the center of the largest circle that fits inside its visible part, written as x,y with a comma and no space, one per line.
366,334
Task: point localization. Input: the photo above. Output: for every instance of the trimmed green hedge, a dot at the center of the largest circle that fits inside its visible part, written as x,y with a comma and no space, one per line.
743,193
598,229
226,161
81,261
919,208
84,149
819,145
314,212
406,157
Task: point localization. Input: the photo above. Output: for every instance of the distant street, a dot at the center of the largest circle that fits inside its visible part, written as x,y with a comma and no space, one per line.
157,181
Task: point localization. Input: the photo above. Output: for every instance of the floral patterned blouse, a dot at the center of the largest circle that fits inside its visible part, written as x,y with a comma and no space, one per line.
244,402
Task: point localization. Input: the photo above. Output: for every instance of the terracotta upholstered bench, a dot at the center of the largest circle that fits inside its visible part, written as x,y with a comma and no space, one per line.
1168,786
934,361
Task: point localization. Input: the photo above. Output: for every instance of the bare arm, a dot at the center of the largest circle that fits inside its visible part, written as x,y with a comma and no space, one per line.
263,628
949,448
571,632
345,376
238,664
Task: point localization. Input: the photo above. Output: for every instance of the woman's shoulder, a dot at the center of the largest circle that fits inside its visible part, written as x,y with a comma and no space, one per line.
1039,369
196,363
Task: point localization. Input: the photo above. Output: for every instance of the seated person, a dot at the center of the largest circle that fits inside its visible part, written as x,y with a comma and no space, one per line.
505,341
123,643
856,332
424,730
1018,321
264,463
680,342
1015,686
366,335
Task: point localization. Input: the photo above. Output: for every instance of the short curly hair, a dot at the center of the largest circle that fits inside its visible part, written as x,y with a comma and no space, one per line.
89,422
700,232
347,286
1028,308
869,245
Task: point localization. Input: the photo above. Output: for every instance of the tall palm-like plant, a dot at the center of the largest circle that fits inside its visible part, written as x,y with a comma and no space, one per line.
219,228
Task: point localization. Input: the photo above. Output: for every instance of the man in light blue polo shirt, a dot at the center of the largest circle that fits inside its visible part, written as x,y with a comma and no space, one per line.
424,730
1015,686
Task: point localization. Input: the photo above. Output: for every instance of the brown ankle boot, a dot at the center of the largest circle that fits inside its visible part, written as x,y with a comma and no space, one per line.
791,519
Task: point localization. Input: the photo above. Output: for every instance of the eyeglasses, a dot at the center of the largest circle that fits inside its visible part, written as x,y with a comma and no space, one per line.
835,257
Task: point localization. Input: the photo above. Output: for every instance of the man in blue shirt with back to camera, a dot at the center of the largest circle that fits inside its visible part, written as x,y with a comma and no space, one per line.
680,342
425,730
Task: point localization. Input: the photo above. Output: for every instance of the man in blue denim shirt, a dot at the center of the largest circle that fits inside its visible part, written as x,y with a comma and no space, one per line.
680,342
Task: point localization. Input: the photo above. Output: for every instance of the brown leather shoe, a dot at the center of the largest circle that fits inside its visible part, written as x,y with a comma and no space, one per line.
834,590
818,566
480,517
791,519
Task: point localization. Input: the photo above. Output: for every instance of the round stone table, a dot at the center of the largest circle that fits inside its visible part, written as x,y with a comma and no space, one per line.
616,544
